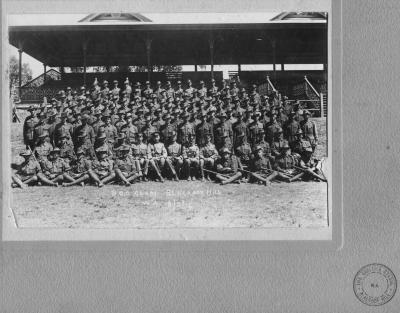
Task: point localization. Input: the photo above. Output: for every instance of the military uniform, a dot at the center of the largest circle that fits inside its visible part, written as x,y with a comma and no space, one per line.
202,131
103,167
55,167
184,131
28,169
28,131
310,132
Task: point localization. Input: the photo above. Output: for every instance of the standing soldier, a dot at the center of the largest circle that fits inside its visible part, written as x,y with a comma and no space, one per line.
27,171
175,156
228,168
148,130
83,141
167,130
191,156
190,90
128,89
213,88
208,156
96,91
51,125
159,90
222,129
98,123
109,129
186,130
63,128
86,129
243,150
115,91
234,89
130,130
278,144
254,130
203,130
120,123
202,91
105,91
179,90
40,127
147,92
28,128
239,128
158,122
272,128
170,91
291,128
101,142
309,130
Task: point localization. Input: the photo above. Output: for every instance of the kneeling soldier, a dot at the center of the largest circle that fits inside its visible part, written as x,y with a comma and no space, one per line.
228,167
191,157
208,156
103,168
55,169
125,168
27,171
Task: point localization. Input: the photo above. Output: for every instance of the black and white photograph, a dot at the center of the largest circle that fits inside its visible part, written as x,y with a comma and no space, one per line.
157,121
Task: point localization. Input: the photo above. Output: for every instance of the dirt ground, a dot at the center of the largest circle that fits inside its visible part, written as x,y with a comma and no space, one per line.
172,204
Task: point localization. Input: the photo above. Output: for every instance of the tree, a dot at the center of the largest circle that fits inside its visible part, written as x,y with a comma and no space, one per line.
26,73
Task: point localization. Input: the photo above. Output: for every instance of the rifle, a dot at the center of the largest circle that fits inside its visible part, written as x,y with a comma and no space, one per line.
216,173
263,168
309,171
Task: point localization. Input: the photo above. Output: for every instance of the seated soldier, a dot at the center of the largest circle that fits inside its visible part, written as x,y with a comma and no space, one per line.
66,148
175,158
299,145
54,169
125,169
260,166
228,167
158,153
81,171
191,157
140,154
82,141
266,149
243,150
284,165
43,147
208,156
101,142
307,169
26,173
102,168
279,142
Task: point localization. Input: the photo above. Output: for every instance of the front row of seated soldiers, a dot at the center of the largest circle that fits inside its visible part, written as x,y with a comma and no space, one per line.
141,161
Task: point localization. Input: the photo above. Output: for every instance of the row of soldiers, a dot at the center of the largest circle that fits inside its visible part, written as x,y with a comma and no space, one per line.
207,133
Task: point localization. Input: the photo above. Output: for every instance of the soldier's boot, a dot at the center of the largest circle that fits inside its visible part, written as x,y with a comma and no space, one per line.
68,178
146,170
233,178
122,177
220,177
31,180
155,167
316,176
283,177
133,177
273,175
95,178
19,182
188,166
81,179
45,180
260,178
108,179
171,167
202,170
296,177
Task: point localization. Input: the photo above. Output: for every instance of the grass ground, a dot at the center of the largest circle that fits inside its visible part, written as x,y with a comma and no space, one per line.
172,204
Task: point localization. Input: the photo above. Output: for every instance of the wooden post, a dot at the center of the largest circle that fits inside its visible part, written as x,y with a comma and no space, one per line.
148,53
44,72
84,46
273,43
211,45
321,103
19,71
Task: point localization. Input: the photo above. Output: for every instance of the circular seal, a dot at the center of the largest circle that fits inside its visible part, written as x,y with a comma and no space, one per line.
374,284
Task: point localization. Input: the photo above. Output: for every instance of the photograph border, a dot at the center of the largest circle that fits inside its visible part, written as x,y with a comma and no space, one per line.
202,238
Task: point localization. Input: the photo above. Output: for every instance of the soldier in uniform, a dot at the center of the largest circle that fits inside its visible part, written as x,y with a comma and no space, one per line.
43,147
85,128
190,90
109,129
105,91
222,129
290,129
159,90
170,91
191,157
228,167
102,168
125,168
128,89
120,123
202,91
243,151
147,91
284,164
260,167
130,130
300,144
148,130
115,91
175,156
158,122
239,128
213,88
203,130
40,128
254,130
140,153
208,156
28,128
167,129
54,169
309,130
79,169
66,148
82,141
158,154
101,142
185,130
26,173
179,90
278,143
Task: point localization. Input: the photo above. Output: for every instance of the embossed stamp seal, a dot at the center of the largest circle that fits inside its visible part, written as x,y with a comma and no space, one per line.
375,284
